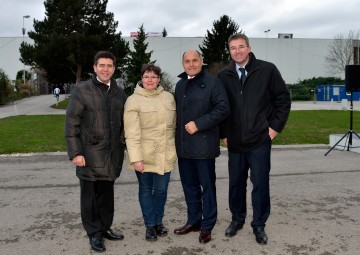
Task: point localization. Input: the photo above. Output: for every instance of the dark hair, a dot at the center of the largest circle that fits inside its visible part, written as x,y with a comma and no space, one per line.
150,68
104,54
238,36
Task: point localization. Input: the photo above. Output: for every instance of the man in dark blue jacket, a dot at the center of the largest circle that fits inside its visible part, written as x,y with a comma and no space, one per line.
260,106
201,105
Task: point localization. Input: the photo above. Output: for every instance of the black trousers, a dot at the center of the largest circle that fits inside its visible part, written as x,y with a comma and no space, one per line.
198,179
97,206
258,161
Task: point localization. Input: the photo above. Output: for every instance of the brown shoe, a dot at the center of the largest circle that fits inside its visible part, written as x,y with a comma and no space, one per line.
187,228
205,236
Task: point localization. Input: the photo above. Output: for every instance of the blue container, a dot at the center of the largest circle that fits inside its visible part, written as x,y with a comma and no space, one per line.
336,93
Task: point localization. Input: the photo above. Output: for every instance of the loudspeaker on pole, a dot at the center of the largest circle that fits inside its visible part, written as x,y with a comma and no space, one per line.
352,78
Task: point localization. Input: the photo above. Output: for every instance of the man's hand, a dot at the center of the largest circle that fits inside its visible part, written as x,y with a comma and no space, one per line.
272,133
191,128
79,161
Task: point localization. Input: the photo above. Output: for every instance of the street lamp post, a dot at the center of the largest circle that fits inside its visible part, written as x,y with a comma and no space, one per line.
266,32
314,90
23,32
315,96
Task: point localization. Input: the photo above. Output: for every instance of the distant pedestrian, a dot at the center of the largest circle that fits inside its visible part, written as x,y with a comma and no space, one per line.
57,93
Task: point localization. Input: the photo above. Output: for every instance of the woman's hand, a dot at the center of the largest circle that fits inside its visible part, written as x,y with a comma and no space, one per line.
139,166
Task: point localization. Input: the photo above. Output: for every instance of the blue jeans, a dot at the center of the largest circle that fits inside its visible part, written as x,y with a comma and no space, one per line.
152,196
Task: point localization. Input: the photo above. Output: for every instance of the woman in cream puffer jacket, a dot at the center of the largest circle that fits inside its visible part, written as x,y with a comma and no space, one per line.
149,123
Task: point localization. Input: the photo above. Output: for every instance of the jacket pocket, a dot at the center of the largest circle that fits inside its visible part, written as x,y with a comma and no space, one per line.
171,152
170,113
148,148
148,116
95,155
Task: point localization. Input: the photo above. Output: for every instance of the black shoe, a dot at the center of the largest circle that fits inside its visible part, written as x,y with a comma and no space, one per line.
150,234
260,235
161,230
111,235
233,229
97,244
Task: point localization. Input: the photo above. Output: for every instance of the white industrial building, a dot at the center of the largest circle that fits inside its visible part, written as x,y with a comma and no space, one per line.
297,59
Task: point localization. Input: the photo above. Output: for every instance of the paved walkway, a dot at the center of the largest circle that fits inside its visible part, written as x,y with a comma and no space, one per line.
40,105
315,206
35,105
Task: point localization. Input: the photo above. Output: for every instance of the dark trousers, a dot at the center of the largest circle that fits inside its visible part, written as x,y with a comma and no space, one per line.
97,206
198,181
258,161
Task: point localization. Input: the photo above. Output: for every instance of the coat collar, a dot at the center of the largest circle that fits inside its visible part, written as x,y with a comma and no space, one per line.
139,89
249,66
113,83
184,75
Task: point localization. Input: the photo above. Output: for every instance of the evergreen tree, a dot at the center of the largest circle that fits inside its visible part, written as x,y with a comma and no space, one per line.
137,58
66,41
167,82
20,76
214,48
4,87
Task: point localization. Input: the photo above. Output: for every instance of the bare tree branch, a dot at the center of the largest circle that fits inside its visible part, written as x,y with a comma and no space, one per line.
341,52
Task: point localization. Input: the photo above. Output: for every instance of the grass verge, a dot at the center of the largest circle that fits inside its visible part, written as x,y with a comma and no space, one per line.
45,133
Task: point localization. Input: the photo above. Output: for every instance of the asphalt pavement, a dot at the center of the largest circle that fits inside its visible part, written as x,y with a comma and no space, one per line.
315,205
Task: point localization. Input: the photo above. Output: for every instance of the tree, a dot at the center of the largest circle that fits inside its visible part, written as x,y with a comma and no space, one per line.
214,48
20,76
341,52
302,90
66,41
4,87
166,82
164,32
137,58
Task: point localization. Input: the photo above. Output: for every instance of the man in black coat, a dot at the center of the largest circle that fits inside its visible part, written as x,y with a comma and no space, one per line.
93,130
260,106
201,105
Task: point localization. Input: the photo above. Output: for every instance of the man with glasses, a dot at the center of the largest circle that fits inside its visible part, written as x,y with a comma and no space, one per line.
260,106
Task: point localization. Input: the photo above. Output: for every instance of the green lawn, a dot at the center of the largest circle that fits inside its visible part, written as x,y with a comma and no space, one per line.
38,133
45,133
314,127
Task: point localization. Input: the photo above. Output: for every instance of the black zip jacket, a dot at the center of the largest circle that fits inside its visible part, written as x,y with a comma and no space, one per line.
263,101
93,128
202,100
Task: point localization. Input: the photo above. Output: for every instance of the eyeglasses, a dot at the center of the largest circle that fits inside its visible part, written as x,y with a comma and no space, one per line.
150,77
240,47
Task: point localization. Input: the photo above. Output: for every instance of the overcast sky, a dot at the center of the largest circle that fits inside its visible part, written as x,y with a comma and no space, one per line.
188,18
